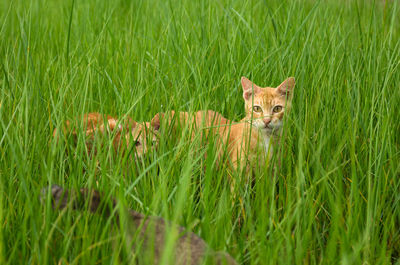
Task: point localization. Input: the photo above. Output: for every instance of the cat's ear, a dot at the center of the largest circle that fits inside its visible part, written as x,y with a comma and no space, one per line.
248,88
156,121
286,87
130,124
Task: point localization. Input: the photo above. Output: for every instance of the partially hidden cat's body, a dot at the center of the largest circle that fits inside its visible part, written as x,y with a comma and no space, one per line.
147,231
124,131
247,142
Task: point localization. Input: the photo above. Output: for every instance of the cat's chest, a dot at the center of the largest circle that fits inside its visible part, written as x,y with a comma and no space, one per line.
266,144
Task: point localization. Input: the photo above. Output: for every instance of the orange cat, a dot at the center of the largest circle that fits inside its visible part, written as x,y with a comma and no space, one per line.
126,131
265,108
247,140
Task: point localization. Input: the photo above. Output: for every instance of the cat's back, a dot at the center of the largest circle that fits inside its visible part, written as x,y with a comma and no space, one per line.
210,118
93,120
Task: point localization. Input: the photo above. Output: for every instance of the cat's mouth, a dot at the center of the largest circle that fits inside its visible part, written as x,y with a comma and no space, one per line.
267,127
271,127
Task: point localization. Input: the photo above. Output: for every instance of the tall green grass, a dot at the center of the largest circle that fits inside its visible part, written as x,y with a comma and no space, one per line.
334,195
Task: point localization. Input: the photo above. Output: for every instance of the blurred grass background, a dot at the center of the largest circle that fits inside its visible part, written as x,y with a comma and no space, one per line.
335,198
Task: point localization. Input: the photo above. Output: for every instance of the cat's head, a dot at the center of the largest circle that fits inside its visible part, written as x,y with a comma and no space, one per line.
143,137
265,106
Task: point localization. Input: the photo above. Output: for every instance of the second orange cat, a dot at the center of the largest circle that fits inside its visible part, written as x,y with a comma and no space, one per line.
125,132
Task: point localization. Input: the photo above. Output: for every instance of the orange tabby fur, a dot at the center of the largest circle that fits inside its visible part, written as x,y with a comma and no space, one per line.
201,121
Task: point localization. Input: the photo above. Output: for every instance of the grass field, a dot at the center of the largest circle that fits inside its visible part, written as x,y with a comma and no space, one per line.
335,199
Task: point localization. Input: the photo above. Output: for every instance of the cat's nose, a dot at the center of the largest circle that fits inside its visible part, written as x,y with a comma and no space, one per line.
267,121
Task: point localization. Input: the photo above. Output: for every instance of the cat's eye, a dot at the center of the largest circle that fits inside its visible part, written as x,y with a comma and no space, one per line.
257,109
277,108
